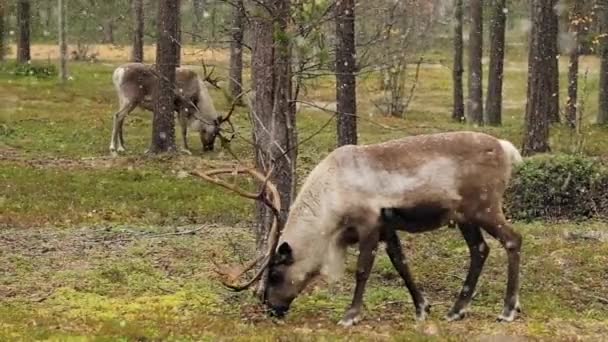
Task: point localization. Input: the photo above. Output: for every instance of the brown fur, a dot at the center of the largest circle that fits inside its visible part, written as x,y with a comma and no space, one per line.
428,181
136,84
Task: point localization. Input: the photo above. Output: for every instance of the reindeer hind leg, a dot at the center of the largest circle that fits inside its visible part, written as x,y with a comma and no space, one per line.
478,251
494,222
120,118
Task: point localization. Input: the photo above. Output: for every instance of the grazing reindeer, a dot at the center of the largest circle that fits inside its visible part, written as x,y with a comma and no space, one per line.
364,194
135,84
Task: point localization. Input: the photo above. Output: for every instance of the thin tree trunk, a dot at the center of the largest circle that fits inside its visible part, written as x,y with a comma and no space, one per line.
48,16
346,67
553,24
493,111
63,46
571,104
178,35
197,8
3,10
236,50
536,137
273,111
458,70
108,31
475,100
138,31
602,116
23,21
163,126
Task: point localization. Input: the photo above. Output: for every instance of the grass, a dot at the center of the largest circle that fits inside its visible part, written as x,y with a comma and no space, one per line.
88,244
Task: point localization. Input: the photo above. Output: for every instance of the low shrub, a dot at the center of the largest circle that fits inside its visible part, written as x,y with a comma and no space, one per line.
32,69
557,187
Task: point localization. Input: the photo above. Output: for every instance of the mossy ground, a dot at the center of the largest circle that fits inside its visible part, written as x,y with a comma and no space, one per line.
90,245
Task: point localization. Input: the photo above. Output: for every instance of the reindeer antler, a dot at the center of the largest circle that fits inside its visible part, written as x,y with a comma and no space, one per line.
207,75
274,203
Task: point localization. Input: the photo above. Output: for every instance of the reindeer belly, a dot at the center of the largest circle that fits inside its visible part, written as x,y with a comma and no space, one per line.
420,218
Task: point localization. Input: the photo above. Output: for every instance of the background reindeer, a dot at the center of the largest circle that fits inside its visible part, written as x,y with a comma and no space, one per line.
363,194
135,84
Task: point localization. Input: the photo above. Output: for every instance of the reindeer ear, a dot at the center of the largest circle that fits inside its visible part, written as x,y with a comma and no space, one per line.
284,254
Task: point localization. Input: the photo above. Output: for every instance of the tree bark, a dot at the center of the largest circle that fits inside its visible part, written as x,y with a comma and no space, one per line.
236,50
552,47
602,116
23,21
138,31
3,10
458,70
63,46
178,35
48,16
108,31
571,104
163,126
346,68
493,112
197,9
273,114
475,100
536,136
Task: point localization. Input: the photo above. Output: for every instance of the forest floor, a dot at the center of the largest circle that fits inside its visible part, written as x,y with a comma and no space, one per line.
102,248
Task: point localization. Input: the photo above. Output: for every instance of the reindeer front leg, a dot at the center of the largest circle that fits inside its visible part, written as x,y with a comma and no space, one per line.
183,123
395,253
367,254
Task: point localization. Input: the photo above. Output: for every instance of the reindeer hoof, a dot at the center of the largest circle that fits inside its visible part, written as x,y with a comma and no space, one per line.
422,311
120,149
350,318
455,316
186,151
508,315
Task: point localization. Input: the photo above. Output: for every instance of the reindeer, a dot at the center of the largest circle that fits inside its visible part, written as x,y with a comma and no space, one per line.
135,84
364,194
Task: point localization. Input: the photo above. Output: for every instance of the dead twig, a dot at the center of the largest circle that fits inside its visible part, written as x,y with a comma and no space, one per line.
155,236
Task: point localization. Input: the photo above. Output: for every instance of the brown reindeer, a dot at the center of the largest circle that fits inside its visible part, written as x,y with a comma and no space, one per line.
135,84
364,194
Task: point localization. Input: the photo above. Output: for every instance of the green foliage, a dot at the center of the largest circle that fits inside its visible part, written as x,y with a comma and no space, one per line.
558,187
38,70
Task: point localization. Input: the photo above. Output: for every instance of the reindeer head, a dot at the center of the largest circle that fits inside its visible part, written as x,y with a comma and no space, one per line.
284,281
287,277
211,128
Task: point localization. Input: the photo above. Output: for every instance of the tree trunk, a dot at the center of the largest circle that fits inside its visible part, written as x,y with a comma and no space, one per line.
554,66
571,104
458,70
602,116
48,16
163,126
108,31
3,10
346,67
23,21
475,100
536,137
493,112
63,46
178,35
236,50
274,129
138,31
197,9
